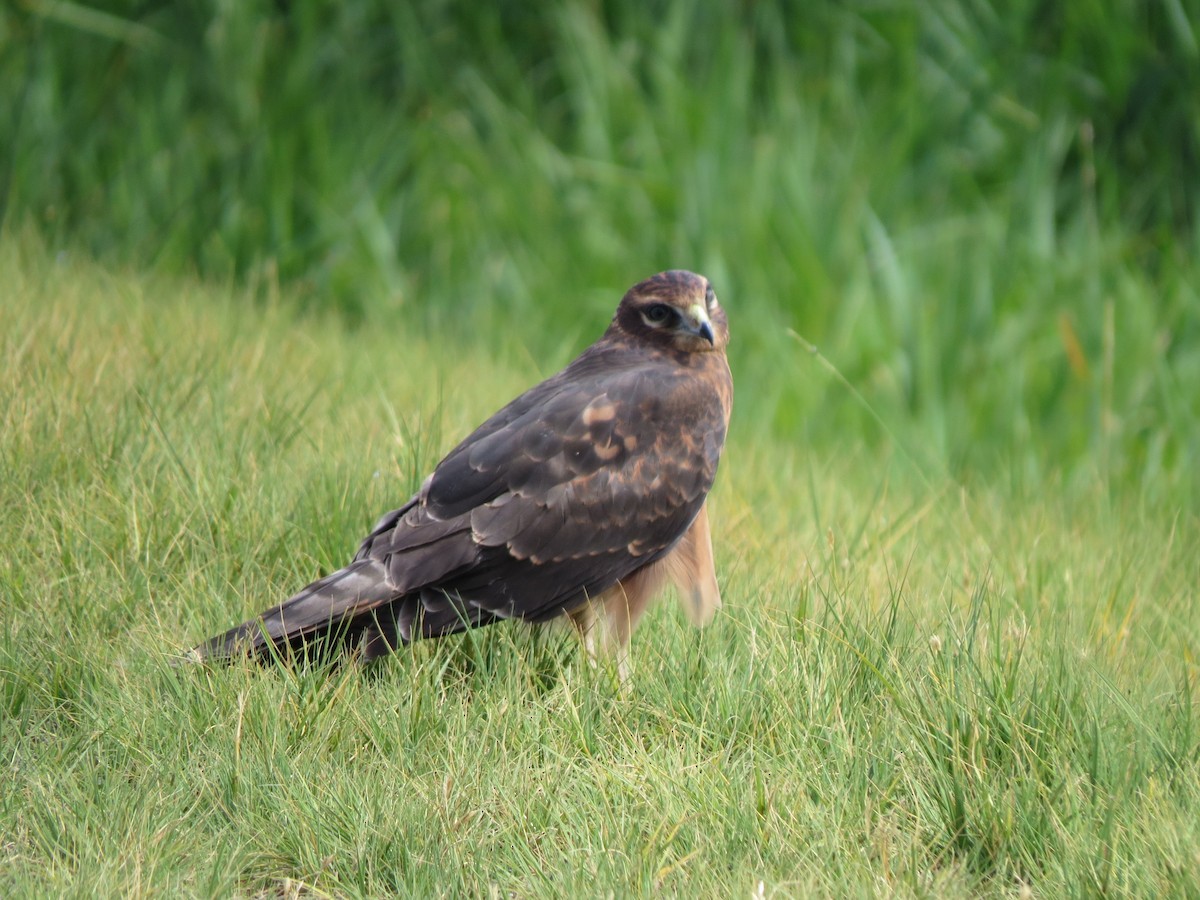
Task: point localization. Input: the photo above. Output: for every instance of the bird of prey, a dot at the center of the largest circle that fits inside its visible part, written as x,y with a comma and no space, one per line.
582,497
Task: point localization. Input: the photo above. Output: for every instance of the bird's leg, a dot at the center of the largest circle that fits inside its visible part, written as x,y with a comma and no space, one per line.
586,621
605,623
601,635
624,673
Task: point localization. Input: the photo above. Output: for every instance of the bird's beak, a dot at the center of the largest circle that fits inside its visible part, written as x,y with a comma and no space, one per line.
699,322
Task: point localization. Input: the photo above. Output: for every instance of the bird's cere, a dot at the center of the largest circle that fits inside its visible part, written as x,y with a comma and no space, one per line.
701,324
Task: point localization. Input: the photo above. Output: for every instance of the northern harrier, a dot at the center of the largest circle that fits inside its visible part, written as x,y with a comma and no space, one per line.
582,497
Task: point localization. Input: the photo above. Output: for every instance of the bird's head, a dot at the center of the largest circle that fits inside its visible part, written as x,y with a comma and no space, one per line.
675,309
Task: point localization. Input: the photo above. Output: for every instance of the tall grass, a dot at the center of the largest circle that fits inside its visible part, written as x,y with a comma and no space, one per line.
985,216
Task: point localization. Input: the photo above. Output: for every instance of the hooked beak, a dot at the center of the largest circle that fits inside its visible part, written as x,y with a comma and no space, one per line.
699,323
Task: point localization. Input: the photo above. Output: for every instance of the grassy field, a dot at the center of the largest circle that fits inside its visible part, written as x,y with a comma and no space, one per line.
262,264
985,216
918,686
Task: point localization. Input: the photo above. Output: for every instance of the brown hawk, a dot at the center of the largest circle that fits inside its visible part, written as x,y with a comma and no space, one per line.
582,496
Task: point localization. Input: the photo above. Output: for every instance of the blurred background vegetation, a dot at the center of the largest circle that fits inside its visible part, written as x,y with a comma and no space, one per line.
985,214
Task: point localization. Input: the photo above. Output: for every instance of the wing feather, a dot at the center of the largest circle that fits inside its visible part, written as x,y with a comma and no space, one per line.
593,484
569,489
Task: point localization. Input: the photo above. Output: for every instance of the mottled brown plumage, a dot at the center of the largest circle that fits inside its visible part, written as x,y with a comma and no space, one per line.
581,496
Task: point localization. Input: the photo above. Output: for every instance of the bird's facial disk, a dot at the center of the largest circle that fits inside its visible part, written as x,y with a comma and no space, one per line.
686,324
678,309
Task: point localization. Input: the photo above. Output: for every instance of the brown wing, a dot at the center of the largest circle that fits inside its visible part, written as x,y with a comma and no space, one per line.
572,486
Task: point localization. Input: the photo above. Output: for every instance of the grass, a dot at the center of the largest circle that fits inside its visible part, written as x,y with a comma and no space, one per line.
958,542
918,685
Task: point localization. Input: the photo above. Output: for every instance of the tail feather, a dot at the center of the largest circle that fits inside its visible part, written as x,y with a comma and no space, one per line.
339,607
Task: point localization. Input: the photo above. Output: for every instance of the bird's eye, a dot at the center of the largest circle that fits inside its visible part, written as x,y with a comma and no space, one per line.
657,313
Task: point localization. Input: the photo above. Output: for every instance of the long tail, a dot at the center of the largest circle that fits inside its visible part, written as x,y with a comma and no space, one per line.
334,611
